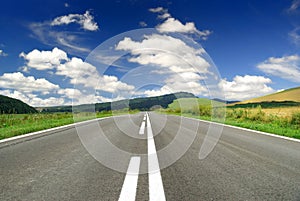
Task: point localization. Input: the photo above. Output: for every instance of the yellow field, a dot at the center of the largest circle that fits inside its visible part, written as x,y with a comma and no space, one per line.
280,111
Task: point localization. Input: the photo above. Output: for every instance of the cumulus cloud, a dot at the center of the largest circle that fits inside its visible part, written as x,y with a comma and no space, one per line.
41,92
29,89
164,16
165,51
86,21
3,54
69,93
174,25
43,60
180,63
246,87
33,99
77,70
26,84
171,25
287,67
81,72
162,12
158,10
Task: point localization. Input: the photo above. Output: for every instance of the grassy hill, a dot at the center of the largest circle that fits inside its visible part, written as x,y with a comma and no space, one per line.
145,103
189,103
202,106
286,95
286,98
14,106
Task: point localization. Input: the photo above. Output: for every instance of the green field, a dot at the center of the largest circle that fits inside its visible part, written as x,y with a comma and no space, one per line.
18,124
256,118
279,120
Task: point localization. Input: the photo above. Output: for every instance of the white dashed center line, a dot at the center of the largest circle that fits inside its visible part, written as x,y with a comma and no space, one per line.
156,188
128,192
142,128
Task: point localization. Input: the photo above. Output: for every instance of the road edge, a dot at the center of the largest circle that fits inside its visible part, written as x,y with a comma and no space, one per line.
244,129
33,135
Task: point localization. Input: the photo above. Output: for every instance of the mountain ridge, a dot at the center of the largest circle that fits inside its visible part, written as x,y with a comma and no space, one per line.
140,103
10,105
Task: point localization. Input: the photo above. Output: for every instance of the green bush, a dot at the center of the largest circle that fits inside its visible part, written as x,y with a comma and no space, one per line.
295,120
205,110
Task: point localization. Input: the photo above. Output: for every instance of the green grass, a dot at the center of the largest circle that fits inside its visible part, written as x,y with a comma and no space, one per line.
18,124
255,118
279,126
188,103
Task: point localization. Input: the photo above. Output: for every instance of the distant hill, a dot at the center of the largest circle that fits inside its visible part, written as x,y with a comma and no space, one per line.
285,95
14,106
225,101
288,97
189,103
145,103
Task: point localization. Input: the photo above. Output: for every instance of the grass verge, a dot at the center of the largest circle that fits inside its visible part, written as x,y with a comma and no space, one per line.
18,124
289,127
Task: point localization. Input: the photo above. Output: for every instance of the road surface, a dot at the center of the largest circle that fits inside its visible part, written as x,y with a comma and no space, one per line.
244,165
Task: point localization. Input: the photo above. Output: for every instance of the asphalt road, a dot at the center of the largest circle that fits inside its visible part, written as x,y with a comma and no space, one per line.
243,165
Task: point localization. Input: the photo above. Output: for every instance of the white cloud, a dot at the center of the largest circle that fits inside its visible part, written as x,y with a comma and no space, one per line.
70,40
3,54
158,10
162,12
41,92
246,87
26,84
287,67
143,24
164,16
295,36
78,71
43,60
33,99
294,6
179,86
81,72
86,21
43,32
158,92
178,62
66,40
164,51
69,93
66,5
173,25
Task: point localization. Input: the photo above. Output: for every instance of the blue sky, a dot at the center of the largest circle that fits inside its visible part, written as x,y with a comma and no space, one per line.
255,46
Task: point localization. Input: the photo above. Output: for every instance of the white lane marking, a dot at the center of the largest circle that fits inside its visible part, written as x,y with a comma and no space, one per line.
145,116
142,128
156,188
128,192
